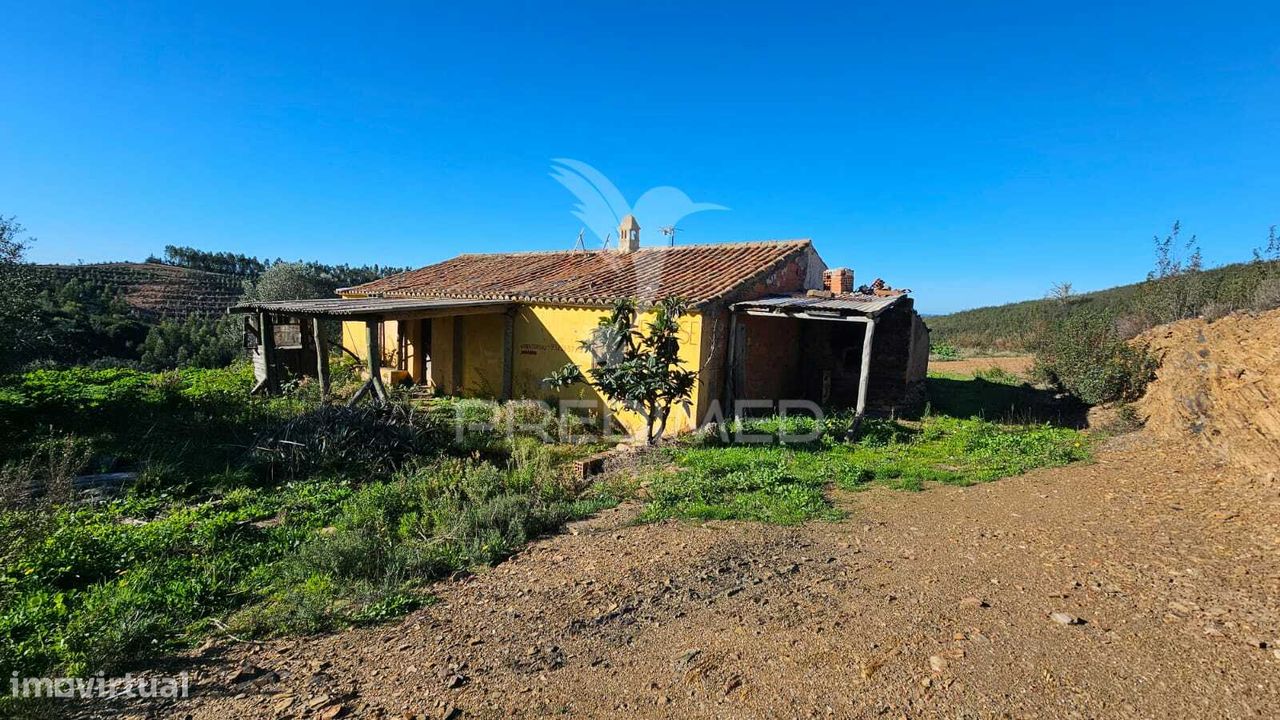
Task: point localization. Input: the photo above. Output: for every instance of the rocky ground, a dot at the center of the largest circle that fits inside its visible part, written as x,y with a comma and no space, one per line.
1146,584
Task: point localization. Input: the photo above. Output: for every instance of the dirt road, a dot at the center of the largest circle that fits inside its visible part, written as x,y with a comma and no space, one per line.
1165,571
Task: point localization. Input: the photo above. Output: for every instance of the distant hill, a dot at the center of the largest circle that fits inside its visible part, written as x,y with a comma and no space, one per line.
156,291
1013,327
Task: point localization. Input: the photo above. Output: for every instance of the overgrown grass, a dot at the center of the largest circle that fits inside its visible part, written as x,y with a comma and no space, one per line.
272,516
388,538
262,517
785,484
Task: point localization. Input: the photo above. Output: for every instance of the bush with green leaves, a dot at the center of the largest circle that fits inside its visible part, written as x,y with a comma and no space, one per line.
639,370
1084,355
944,351
390,537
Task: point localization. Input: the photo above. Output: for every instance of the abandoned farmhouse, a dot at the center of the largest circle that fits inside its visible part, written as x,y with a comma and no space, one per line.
768,321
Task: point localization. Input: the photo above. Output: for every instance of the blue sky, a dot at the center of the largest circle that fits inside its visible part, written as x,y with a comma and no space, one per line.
975,152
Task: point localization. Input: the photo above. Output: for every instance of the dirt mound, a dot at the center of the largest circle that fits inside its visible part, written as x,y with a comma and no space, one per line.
1220,382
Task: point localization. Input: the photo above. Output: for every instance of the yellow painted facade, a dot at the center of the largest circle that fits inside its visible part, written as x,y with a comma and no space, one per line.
545,338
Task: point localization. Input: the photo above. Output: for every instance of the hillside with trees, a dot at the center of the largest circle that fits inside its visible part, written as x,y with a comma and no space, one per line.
162,314
1178,287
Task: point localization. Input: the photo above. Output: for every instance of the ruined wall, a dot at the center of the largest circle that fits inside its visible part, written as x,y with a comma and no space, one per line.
797,274
899,359
771,358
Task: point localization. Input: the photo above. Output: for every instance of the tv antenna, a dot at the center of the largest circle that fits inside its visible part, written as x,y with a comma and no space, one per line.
605,246
670,231
579,245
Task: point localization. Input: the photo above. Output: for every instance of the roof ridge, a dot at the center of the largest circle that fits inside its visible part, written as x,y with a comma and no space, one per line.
645,248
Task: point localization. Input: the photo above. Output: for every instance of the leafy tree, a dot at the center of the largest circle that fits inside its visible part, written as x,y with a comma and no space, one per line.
220,262
637,369
290,281
192,342
1272,251
17,294
1175,288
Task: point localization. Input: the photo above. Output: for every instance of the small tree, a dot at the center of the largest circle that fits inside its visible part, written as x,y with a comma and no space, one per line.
288,281
637,369
1061,293
1175,288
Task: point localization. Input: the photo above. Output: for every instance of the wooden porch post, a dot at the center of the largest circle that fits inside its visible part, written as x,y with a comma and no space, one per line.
508,351
371,328
322,357
373,366
267,342
731,365
865,373
456,370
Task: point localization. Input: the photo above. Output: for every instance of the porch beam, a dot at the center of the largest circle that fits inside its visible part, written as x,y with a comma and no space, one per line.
811,316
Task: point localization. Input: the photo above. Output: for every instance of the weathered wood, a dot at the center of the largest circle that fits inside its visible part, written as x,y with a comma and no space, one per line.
455,385
372,387
865,373
733,363
508,352
267,345
371,328
322,357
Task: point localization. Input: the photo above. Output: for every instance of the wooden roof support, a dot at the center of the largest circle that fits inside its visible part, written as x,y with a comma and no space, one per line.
508,352
322,357
267,346
373,386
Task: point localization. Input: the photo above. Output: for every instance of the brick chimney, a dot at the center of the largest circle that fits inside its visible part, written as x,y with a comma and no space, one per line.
629,235
838,280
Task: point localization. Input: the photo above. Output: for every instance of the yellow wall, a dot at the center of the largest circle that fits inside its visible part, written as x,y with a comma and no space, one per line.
546,337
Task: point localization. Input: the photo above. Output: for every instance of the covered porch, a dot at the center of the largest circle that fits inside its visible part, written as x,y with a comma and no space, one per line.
862,352
418,339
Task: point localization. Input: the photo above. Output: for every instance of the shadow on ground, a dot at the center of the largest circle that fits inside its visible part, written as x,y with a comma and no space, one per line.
1021,404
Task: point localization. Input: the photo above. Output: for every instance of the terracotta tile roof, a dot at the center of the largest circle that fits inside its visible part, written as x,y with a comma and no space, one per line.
697,273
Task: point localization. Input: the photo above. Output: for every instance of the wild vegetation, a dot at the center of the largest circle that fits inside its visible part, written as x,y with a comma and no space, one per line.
141,316
785,480
638,369
250,516
1177,287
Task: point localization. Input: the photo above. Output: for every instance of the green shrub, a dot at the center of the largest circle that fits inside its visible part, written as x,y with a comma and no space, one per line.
1085,356
390,537
944,351
1267,294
